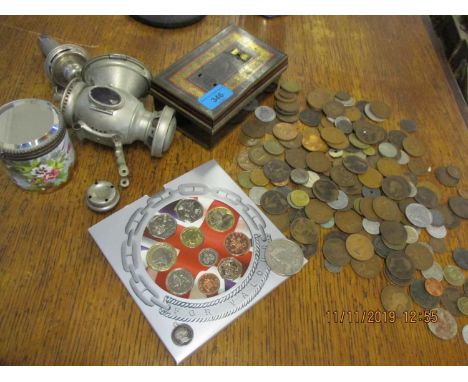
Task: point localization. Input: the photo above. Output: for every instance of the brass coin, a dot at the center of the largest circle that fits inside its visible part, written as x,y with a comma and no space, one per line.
274,203
386,209
396,187
299,198
161,256
359,247
380,109
230,268
285,131
312,141
366,206
319,97
420,255
258,155
318,161
318,211
191,237
334,250
220,219
371,178
257,176
304,230
414,146
244,179
253,129
389,167
277,171
395,299
296,158
367,269
353,113
348,221
273,147
333,135
325,190
333,109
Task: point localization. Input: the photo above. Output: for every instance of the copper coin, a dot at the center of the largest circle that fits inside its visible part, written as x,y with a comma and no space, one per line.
237,243
287,118
426,197
276,170
343,177
333,109
355,164
420,255
371,178
257,177
319,97
318,161
288,107
333,135
253,129
368,133
353,113
244,162
325,190
395,299
418,166
386,209
444,178
445,327
304,230
414,146
396,187
393,232
438,245
434,287
258,155
348,221
296,158
380,109
389,167
359,247
312,141
208,284
293,143
400,267
367,208
334,250
285,131
274,203
318,211
459,206
310,117
367,269
421,296
281,221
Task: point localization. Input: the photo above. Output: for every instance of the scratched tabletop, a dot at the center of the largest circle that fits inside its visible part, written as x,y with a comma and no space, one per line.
60,301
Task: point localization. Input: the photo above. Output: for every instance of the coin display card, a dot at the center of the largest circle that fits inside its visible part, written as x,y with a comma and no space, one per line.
192,256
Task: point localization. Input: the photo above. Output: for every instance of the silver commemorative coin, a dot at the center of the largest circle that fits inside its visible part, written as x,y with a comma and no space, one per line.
162,226
179,281
189,210
208,257
265,113
284,257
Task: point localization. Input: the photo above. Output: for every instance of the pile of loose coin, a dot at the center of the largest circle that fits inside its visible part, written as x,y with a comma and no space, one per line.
339,166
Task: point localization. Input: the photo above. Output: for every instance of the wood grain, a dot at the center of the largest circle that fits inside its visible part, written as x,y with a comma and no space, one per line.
60,301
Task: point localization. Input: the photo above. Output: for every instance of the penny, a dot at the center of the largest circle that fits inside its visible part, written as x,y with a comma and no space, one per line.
353,113
244,162
258,155
299,176
434,272
438,245
462,304
230,268
253,130
393,232
319,97
400,267
296,158
389,167
281,221
273,147
418,166
318,161
367,269
310,117
284,257
258,178
285,131
244,179
367,209
343,177
408,125
459,206
325,190
237,243
355,164
434,287
208,284
414,146
162,226
208,257
395,299
445,327
334,250
371,178
460,255
454,275
318,211
274,203
192,237
179,281
188,210
421,296
299,198
348,221
359,247
265,113
418,215
396,187
333,109
220,219
255,193
420,256
182,335
312,141
161,256
304,230
276,170
386,208
449,300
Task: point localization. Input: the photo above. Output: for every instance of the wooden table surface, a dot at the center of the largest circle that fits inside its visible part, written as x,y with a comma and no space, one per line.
61,302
